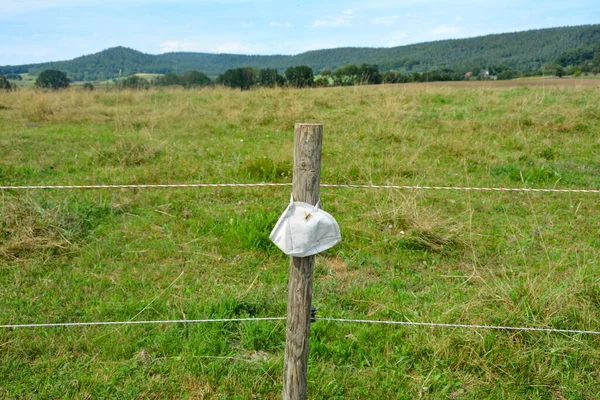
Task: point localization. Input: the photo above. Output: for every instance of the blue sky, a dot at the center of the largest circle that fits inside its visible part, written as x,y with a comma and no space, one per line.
50,30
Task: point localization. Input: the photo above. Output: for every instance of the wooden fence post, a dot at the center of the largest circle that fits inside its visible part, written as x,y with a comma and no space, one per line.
306,181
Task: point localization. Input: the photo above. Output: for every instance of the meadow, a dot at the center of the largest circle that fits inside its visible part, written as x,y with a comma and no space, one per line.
500,258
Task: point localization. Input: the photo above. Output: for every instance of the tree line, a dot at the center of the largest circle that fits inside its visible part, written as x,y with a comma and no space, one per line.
579,61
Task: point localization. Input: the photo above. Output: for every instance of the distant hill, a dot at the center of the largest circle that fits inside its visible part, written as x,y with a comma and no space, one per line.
522,51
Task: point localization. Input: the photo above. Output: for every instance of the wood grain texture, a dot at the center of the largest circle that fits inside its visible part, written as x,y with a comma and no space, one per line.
306,181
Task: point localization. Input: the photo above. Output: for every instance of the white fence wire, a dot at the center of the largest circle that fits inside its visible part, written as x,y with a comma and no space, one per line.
328,185
342,320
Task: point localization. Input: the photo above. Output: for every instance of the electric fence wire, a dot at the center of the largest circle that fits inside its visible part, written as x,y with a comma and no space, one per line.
341,320
327,185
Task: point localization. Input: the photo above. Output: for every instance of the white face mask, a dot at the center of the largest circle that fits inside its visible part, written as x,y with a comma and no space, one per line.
304,230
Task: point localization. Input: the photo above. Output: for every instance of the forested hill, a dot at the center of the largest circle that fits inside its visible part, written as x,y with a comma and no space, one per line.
522,51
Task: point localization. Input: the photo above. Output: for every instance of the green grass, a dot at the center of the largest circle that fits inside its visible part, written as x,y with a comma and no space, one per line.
28,81
454,257
149,77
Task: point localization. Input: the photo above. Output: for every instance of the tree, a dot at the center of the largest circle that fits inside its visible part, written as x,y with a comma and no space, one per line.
187,80
135,82
280,80
5,84
394,76
300,76
366,74
269,77
560,71
52,79
347,70
445,76
88,86
417,77
242,78
323,81
168,79
369,74
506,75
347,75
194,78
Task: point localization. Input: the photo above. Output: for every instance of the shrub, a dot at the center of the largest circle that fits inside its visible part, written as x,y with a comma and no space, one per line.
300,76
135,82
242,78
506,75
52,79
194,78
5,84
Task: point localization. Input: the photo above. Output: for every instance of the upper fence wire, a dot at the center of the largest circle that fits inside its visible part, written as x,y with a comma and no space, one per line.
330,185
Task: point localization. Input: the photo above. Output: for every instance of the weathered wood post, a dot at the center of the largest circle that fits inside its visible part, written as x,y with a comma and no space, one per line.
306,181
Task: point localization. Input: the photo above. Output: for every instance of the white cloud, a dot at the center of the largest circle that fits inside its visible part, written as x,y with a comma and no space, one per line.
386,20
320,23
400,36
170,46
335,22
26,5
280,25
445,30
43,52
233,48
397,39
17,6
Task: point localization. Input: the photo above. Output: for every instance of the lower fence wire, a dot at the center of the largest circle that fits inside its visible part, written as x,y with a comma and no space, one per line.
362,321
170,321
436,325
342,320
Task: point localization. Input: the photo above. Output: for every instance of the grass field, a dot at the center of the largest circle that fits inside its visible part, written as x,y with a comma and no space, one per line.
28,81
517,259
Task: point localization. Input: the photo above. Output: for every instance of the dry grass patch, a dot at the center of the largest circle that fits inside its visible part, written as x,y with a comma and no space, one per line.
130,152
28,229
38,228
336,268
420,227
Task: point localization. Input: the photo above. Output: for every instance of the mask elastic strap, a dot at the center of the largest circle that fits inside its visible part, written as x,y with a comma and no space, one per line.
318,205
